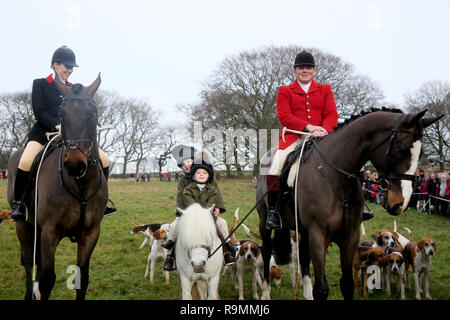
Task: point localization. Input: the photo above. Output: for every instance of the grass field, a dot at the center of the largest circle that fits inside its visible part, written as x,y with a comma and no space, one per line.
117,264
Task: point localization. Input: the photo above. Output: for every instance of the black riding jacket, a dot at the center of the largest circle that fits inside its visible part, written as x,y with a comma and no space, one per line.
46,100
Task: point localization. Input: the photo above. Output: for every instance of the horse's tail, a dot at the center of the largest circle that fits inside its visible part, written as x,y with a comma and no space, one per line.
281,244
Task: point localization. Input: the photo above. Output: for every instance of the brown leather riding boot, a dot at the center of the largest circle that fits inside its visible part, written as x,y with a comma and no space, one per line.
169,263
229,254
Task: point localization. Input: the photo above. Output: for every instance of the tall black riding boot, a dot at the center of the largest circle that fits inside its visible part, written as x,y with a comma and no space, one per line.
273,216
21,182
109,209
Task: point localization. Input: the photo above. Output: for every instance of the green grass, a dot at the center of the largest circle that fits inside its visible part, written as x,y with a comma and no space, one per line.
117,264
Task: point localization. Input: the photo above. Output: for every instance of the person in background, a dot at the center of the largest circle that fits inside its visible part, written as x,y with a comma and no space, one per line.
444,194
432,190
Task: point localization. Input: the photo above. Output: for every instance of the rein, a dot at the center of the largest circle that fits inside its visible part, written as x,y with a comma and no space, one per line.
387,174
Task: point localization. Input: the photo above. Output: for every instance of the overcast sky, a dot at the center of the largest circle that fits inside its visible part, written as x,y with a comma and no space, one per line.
161,51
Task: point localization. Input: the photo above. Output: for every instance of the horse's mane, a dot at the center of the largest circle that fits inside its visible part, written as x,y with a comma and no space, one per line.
196,226
362,114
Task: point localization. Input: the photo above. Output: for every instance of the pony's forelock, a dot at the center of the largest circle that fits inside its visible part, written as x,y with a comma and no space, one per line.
196,226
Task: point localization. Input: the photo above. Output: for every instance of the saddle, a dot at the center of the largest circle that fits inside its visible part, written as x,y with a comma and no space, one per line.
57,143
290,165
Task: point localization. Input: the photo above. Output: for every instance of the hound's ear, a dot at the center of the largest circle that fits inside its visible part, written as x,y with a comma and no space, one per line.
420,245
62,87
181,212
211,209
374,237
150,231
92,89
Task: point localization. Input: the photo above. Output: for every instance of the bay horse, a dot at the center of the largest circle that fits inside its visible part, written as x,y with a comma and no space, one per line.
197,238
330,198
71,194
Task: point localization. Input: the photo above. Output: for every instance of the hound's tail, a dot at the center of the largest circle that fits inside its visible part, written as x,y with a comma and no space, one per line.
363,232
410,234
236,218
251,233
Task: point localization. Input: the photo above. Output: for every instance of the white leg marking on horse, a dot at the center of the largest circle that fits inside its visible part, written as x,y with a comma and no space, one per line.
265,291
407,184
307,288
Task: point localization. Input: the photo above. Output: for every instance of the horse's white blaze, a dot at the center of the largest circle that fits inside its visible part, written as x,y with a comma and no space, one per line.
406,185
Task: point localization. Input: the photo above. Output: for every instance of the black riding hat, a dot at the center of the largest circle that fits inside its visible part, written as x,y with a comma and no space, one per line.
304,58
64,55
202,161
182,152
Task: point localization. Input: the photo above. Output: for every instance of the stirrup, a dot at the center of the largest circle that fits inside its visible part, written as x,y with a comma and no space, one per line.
16,214
367,215
273,220
109,210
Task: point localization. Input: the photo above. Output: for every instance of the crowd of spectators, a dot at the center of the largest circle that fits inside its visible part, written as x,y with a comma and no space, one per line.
431,191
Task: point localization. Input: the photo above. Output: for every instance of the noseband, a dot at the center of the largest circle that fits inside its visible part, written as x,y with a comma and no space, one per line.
202,246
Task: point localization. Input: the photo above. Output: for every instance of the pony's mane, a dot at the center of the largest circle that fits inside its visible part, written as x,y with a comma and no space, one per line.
196,226
362,114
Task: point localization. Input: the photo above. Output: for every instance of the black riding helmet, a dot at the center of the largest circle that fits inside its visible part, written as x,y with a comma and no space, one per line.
64,55
304,58
202,164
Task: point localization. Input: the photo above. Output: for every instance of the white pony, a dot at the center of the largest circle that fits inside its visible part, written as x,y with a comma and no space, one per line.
197,239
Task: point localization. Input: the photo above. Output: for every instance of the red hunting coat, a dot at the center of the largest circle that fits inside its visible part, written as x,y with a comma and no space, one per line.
296,109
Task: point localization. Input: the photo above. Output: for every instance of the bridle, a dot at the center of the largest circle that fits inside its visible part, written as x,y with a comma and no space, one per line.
76,144
387,174
81,196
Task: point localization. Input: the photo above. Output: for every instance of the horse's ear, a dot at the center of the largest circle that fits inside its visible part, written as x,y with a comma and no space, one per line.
211,209
92,89
180,211
62,87
429,121
415,119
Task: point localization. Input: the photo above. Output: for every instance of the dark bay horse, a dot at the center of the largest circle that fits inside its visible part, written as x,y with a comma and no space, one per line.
330,198
72,194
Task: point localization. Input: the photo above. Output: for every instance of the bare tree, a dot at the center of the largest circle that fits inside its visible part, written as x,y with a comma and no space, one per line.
434,96
135,133
164,147
18,118
241,93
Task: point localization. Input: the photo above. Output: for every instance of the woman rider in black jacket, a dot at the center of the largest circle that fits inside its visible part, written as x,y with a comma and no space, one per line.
46,100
